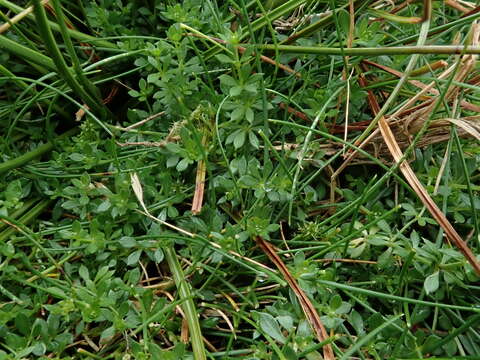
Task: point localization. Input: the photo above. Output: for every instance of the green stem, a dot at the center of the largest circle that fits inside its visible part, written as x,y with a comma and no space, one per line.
396,91
305,147
371,51
26,53
310,29
20,211
367,338
469,185
62,68
469,324
19,226
25,158
188,306
273,15
73,33
381,295
23,85
71,51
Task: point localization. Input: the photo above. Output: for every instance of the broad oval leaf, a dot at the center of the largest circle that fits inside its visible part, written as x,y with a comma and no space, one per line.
270,326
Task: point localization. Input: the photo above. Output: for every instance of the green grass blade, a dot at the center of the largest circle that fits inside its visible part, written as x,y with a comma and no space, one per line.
188,305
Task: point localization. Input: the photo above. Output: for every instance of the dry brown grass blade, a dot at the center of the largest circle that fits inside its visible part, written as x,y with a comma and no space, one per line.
455,5
412,179
307,306
407,171
200,182
472,12
427,88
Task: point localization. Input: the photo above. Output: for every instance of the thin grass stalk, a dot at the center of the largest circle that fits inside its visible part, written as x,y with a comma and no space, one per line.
372,51
19,226
25,36
18,17
25,158
377,294
57,57
469,184
64,94
31,215
258,63
380,112
280,159
188,305
438,29
351,146
469,324
26,53
273,15
438,215
305,147
53,267
87,84
28,104
308,309
24,86
310,29
19,212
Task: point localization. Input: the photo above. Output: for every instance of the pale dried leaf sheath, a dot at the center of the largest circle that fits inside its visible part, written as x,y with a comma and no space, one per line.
4,27
425,197
199,182
138,190
307,306
427,88
199,188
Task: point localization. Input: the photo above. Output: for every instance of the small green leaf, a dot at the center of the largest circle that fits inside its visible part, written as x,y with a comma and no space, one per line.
249,115
270,326
224,59
39,349
127,242
57,292
107,334
77,157
253,140
239,139
172,161
248,181
158,256
227,80
431,283
23,324
182,165
83,272
335,302
236,90
237,114
134,257
104,206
